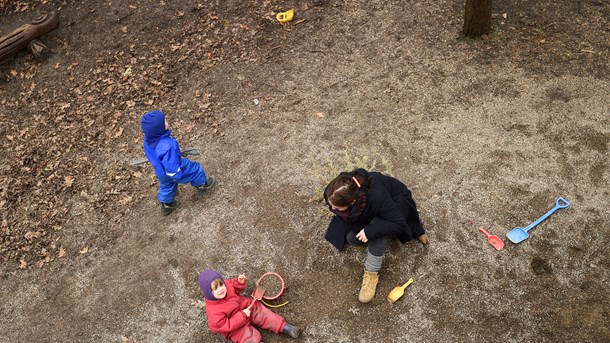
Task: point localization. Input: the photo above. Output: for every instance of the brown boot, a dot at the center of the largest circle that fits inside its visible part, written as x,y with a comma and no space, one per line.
369,285
424,239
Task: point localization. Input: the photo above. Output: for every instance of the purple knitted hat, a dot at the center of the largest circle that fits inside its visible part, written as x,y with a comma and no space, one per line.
205,281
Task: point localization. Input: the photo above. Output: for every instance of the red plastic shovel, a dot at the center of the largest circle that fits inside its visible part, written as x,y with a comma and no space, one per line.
495,241
257,295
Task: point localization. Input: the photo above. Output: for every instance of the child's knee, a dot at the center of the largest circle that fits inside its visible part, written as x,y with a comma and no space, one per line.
247,334
254,337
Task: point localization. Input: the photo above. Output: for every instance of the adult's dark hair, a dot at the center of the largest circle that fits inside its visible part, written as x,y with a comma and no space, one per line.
343,190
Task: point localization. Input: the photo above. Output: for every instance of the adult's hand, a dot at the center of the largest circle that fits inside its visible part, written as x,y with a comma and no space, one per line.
362,236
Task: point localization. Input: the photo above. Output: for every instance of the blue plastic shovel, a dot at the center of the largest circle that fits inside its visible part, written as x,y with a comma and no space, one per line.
518,235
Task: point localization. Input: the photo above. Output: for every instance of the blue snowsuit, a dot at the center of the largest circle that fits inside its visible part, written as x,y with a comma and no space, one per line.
164,154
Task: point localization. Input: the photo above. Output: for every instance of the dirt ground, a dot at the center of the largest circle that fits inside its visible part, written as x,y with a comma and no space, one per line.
486,132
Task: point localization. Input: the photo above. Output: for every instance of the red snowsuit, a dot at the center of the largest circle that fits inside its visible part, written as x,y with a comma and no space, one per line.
225,316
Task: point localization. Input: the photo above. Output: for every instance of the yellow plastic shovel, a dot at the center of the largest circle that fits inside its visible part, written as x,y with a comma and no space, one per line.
398,292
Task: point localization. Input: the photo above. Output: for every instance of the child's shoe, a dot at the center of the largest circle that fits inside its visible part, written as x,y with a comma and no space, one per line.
168,207
291,330
207,187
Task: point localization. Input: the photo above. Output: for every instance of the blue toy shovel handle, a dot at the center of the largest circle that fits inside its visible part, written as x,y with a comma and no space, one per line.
559,203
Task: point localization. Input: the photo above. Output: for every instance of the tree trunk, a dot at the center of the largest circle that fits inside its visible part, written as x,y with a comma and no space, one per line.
477,17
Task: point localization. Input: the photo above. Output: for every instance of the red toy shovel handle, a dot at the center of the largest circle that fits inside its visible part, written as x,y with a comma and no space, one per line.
484,232
251,304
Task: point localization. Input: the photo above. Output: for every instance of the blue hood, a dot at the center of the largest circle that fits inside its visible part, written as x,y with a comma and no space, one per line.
153,126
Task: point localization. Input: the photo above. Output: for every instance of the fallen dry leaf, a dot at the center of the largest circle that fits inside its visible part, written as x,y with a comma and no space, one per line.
62,252
68,181
320,115
84,250
125,200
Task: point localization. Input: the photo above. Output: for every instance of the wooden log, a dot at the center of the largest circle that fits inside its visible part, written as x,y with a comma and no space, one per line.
22,37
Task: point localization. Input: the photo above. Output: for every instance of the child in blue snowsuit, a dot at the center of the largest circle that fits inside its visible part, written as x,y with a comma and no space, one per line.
171,168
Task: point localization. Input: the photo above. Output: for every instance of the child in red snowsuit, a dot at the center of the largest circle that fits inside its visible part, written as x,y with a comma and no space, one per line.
230,314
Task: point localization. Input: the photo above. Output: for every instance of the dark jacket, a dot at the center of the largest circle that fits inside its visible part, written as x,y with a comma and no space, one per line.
390,212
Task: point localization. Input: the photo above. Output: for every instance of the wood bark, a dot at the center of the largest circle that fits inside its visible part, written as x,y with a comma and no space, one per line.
477,18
